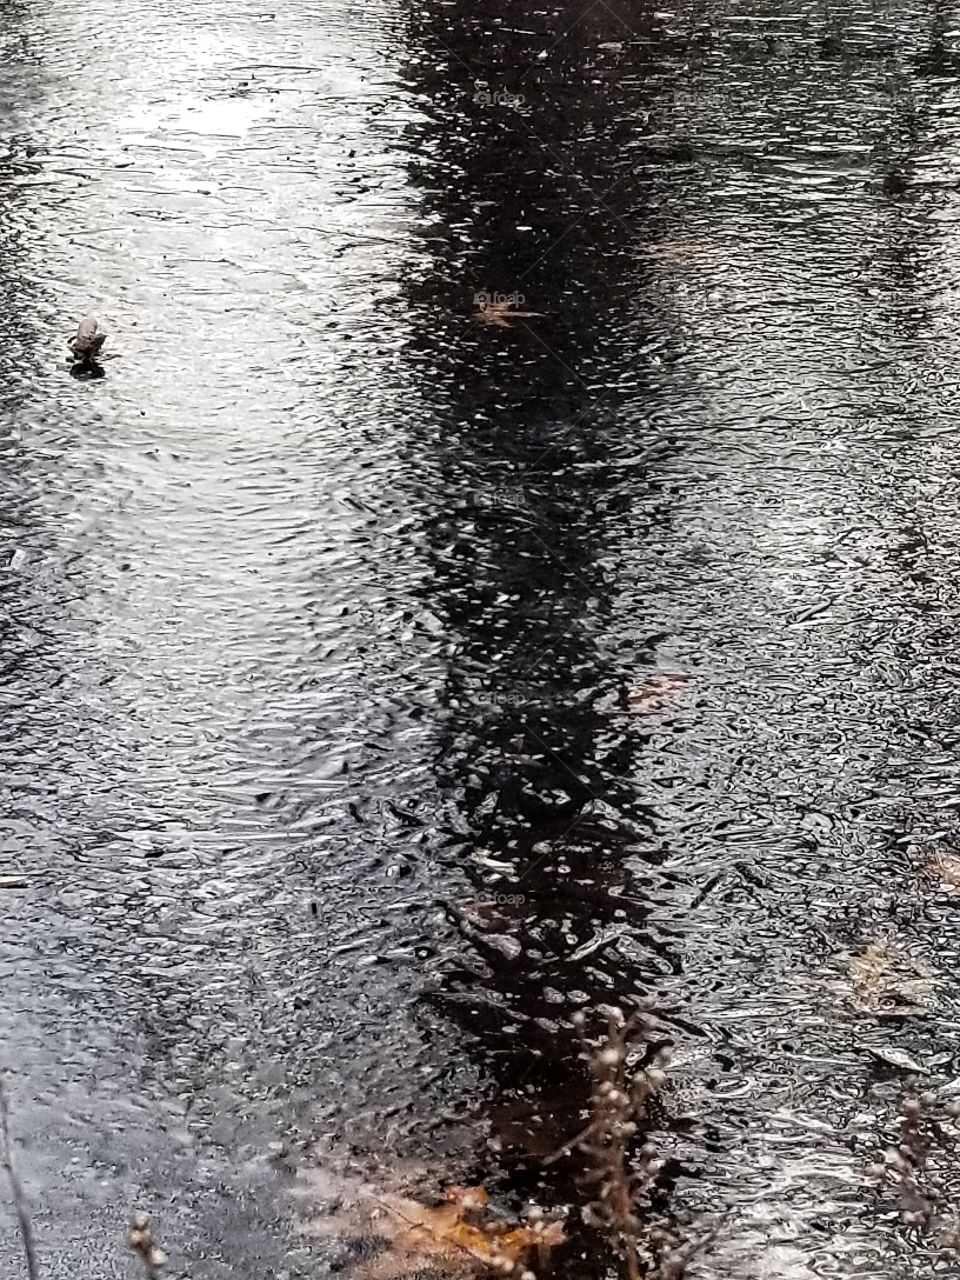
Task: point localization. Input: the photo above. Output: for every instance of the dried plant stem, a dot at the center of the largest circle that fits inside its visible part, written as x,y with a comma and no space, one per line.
570,1146
675,1266
16,1188
904,1166
623,1162
616,1104
623,1215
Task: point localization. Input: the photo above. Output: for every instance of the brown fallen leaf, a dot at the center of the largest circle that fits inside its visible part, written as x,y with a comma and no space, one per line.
945,867
656,690
457,1237
501,313
141,1241
885,981
458,1223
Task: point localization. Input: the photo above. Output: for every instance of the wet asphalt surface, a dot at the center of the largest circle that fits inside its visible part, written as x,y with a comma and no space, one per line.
379,687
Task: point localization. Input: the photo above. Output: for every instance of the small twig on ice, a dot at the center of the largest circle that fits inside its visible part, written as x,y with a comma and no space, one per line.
16,1189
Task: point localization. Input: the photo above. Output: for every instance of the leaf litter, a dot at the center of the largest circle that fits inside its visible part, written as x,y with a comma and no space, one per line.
945,867
887,982
460,1236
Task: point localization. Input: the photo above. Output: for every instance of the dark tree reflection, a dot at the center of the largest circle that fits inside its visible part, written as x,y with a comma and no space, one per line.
540,168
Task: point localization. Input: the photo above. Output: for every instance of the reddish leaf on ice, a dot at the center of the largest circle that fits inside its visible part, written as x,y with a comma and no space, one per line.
501,313
656,690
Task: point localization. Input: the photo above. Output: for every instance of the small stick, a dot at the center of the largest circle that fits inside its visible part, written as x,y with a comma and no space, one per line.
567,1148
16,1188
675,1266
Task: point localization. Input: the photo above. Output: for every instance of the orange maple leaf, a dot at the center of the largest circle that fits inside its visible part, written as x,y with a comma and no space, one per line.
455,1238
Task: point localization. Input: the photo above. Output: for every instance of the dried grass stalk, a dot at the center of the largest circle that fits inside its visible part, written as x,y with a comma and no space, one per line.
16,1188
